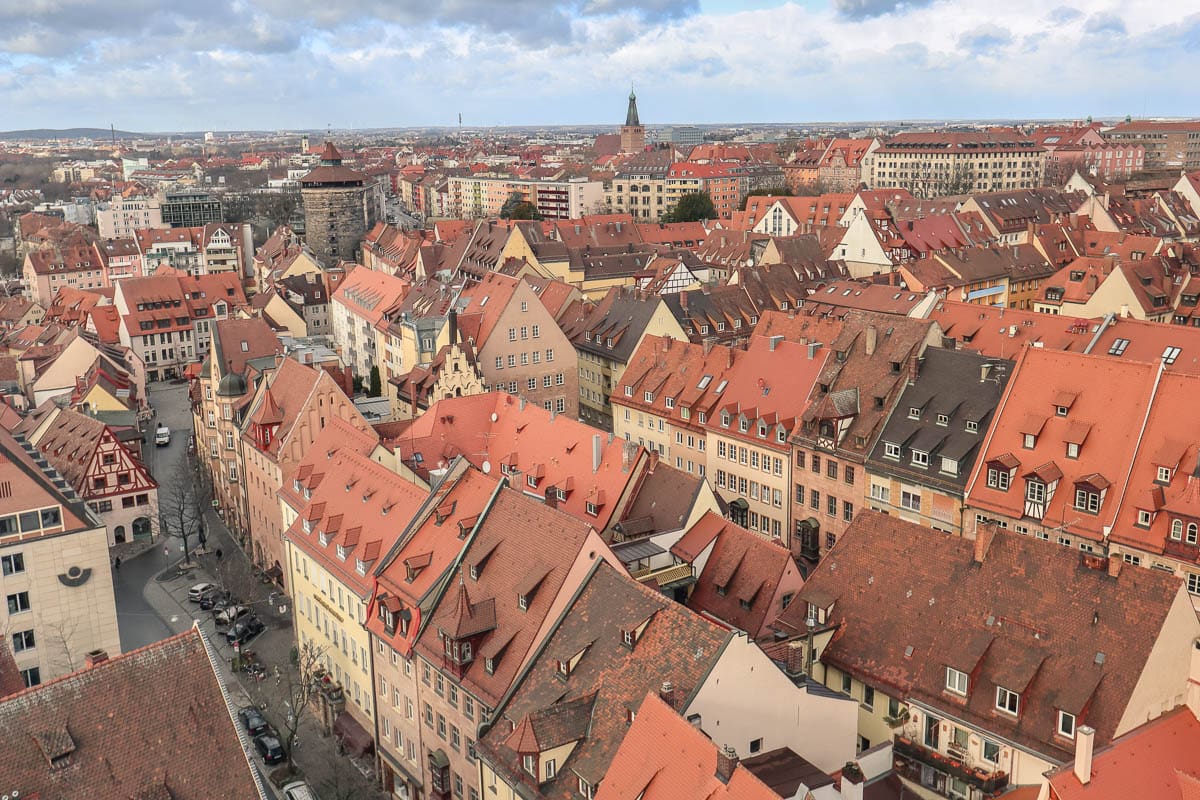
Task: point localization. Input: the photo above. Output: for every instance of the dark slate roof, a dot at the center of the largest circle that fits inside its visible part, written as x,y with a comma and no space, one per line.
948,383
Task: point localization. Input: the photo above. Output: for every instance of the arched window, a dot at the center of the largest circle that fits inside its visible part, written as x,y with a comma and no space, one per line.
1177,530
119,534
1191,536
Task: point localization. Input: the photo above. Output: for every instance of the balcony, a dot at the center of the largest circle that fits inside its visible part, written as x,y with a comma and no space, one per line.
911,758
666,577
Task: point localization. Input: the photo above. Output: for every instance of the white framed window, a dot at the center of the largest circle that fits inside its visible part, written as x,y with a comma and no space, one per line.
891,450
1035,491
956,681
1030,441
920,459
1066,724
1007,701
910,500
1164,474
1144,517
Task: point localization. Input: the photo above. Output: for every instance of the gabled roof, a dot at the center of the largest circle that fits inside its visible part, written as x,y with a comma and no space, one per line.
1156,760
519,542
741,575
369,294
1105,389
663,757
502,435
88,733
671,643
1002,332
984,608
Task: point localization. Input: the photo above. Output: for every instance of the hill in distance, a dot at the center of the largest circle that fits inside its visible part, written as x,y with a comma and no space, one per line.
66,133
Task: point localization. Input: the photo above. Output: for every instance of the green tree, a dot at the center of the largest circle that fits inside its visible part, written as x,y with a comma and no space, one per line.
517,207
376,383
692,207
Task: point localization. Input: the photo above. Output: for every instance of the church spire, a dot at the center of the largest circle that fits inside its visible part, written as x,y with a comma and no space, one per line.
631,116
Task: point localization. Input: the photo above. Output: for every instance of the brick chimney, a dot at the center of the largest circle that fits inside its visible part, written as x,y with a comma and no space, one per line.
984,533
872,339
667,693
94,657
1114,566
1085,740
727,761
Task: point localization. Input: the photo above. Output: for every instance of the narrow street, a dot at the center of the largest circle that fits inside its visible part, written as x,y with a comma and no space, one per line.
152,604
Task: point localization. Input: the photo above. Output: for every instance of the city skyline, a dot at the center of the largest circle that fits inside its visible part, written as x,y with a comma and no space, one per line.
267,65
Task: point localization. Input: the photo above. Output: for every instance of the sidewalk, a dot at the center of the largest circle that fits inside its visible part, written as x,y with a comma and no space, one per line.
316,754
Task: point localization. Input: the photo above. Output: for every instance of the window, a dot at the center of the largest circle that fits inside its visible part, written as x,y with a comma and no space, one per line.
1191,533
31,676
991,751
891,450
910,500
551,768
756,745
1143,518
1066,724
831,469
18,602
1177,530
1035,492
1030,441
868,697
956,681
848,474
920,459
22,641
847,683
998,478
12,564
1072,450
1007,701
1193,583
529,764
1086,500
1164,474
847,512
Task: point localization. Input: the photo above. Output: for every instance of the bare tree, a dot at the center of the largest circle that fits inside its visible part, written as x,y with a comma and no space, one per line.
302,680
181,503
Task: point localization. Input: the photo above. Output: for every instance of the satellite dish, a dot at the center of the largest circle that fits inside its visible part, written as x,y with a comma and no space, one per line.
495,416
486,466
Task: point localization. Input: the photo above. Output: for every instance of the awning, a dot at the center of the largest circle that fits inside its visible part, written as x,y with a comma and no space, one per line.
353,736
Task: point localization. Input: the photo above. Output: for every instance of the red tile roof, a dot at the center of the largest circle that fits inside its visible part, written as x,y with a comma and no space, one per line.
741,575
522,548
1003,610
663,757
434,539
368,294
1157,761
89,733
1003,332
502,435
1104,389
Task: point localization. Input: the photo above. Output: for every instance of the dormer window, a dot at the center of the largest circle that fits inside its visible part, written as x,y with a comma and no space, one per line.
489,665
1030,441
324,537
891,450
781,435
523,602
943,420
1087,500
592,509
743,425
762,429
920,458
648,397
972,426
1066,724
670,402
307,524
629,391
1164,474
531,481
724,419
956,681
342,552
1072,450
1060,411
1008,701
914,413
360,566
529,764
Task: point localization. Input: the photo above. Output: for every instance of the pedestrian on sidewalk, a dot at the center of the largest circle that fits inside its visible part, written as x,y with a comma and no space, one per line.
166,551
219,554
117,564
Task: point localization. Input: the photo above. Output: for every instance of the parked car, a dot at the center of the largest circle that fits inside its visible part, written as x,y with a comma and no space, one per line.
200,591
230,614
253,721
244,630
162,435
269,747
298,790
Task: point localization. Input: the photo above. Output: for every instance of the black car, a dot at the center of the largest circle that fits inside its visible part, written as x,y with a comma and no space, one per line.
269,747
254,722
244,630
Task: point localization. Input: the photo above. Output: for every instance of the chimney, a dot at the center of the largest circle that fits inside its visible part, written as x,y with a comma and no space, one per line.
727,761
984,533
1125,312
596,451
667,693
729,352
1085,740
452,319
813,347
872,339
94,657
852,782
653,461
1114,566
521,405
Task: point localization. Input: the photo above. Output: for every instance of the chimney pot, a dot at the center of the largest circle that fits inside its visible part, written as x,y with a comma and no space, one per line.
667,693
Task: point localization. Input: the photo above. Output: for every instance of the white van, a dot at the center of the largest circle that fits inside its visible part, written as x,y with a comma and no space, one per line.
298,790
162,436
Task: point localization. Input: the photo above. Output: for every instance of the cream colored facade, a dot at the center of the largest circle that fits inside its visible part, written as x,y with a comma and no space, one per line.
330,616
63,622
398,732
643,195
756,472
61,375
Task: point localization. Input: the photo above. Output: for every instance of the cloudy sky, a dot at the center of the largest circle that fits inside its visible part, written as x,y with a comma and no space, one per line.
154,65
